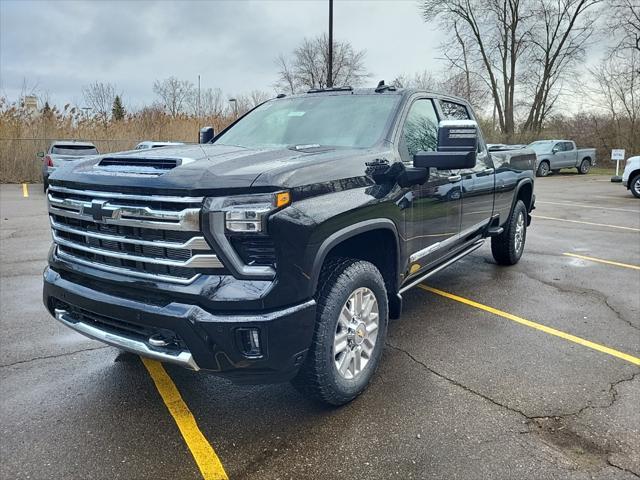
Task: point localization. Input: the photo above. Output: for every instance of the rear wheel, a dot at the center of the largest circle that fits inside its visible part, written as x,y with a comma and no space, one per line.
543,169
634,185
584,167
350,331
507,247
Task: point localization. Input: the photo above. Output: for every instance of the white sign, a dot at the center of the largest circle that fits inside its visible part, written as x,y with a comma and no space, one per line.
617,154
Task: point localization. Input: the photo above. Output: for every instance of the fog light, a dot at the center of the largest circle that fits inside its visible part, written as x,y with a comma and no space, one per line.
250,341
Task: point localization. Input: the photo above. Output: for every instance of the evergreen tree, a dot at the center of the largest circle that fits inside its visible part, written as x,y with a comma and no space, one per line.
117,111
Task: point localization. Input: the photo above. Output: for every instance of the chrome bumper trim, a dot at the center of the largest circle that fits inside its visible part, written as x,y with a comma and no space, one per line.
182,358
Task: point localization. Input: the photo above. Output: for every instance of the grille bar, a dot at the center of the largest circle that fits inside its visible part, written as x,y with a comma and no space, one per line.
187,219
125,196
126,271
196,261
195,243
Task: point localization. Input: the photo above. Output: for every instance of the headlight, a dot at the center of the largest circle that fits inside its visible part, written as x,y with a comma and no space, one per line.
246,214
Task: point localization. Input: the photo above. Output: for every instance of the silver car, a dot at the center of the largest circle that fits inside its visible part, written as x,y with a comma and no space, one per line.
61,151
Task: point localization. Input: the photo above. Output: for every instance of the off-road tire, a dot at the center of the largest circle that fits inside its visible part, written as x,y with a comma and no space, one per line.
318,377
505,247
544,168
584,167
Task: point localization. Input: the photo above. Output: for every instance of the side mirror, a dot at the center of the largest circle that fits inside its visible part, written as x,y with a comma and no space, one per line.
40,154
206,135
457,147
555,150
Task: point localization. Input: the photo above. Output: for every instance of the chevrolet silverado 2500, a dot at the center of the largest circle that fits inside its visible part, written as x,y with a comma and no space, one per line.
279,249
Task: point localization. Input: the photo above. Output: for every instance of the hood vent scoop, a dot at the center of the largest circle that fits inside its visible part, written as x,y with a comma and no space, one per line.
137,164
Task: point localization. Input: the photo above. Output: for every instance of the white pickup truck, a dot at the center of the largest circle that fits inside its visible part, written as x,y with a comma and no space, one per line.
554,155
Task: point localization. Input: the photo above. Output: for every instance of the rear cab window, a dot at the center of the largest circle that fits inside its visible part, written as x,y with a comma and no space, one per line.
75,150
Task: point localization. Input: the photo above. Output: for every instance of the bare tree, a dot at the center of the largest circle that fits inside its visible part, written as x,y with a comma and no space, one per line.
99,97
174,94
625,20
307,67
558,43
209,104
494,34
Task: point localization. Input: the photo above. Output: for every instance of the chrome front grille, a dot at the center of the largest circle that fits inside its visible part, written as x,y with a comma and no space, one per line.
155,237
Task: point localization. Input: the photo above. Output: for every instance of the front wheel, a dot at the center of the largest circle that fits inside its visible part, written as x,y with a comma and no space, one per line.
507,247
543,169
350,331
584,167
634,185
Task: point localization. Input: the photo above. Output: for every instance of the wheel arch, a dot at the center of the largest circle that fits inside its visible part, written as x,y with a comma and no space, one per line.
374,240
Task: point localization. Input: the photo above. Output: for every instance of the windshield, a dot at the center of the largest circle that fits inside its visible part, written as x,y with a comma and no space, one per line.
541,146
314,121
75,150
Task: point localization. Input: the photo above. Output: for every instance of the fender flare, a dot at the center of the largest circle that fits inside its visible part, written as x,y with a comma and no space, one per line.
348,232
516,191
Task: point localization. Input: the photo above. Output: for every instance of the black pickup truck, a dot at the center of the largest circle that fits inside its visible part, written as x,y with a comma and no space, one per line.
279,249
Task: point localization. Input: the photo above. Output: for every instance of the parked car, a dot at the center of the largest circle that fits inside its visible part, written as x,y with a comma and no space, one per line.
61,151
279,249
554,155
631,175
149,144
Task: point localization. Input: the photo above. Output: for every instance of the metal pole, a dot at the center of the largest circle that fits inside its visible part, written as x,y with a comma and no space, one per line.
330,66
198,96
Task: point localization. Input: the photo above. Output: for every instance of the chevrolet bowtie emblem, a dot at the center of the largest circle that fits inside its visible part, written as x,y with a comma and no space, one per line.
99,211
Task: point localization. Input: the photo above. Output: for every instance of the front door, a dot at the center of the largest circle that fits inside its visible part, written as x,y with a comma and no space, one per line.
432,210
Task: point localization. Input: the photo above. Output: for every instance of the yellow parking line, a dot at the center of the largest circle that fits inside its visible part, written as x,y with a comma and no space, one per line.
537,326
25,190
600,260
588,223
202,451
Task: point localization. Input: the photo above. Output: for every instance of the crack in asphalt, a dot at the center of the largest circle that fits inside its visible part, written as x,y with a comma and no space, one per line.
582,291
45,357
532,419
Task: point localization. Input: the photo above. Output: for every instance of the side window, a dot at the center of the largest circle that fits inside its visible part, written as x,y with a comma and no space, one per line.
568,146
454,111
420,130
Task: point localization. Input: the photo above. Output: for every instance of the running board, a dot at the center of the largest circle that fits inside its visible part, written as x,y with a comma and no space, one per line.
464,253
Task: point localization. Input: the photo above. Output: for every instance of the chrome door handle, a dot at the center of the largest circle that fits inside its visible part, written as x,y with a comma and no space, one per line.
454,178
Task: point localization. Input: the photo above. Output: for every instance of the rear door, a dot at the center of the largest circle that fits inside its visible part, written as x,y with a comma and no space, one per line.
570,154
432,210
478,183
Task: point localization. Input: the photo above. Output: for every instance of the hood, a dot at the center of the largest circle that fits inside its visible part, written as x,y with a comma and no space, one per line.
209,169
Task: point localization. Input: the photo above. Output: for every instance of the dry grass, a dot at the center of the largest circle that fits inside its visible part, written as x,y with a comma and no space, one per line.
22,135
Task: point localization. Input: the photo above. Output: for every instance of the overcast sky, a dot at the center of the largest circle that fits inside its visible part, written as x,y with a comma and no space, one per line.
61,46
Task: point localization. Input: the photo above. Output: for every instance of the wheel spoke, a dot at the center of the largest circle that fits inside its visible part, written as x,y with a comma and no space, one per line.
357,360
368,306
340,342
367,348
372,327
345,362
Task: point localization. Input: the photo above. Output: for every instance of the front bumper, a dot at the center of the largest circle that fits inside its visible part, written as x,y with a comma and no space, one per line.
203,340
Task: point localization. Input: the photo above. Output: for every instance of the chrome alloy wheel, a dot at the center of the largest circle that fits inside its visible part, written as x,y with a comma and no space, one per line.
636,185
356,333
519,237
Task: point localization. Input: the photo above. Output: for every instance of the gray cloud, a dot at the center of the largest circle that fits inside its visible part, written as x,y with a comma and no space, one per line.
231,44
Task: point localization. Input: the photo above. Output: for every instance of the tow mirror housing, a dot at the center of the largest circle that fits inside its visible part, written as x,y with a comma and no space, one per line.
457,147
206,135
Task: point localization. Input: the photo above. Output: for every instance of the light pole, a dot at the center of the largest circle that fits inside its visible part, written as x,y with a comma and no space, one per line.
235,106
330,67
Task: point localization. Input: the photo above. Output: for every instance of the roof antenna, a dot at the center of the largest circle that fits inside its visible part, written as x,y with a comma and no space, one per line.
380,84
382,87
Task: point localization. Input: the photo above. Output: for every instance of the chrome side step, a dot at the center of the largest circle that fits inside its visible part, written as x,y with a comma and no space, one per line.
182,358
444,265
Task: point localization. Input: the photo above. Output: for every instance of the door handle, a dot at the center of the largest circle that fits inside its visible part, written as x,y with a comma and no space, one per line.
454,178
488,170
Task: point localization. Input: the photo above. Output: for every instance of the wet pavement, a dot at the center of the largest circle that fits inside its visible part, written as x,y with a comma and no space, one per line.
461,392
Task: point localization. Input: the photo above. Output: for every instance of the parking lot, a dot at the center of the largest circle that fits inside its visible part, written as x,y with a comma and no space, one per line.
528,371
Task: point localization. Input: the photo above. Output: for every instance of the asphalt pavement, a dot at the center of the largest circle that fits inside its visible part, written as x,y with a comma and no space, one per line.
494,372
